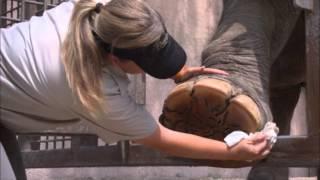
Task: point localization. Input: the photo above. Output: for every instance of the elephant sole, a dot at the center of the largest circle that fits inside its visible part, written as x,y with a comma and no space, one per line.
210,108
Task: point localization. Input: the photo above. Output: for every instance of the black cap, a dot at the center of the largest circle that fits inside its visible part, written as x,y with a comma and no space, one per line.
161,59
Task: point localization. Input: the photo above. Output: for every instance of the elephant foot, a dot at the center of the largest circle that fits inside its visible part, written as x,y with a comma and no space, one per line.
210,108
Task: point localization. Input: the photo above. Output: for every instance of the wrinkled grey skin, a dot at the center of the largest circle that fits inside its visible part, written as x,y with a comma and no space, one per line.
250,44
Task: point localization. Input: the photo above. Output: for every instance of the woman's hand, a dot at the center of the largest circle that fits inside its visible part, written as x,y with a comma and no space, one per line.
196,147
188,72
253,148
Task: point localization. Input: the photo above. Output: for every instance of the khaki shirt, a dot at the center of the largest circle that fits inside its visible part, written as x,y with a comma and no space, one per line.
35,95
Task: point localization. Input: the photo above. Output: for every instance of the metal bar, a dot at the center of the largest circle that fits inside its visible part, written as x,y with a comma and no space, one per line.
49,5
45,5
46,143
54,134
294,152
313,73
313,68
54,140
10,19
124,149
19,6
63,142
34,2
13,9
23,10
11,5
2,9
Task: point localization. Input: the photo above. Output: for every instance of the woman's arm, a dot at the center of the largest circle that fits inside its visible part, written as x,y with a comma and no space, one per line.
191,146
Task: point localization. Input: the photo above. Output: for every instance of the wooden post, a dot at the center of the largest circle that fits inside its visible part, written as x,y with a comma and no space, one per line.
313,74
313,69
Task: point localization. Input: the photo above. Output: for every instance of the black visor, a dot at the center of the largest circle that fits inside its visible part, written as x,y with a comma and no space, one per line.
161,59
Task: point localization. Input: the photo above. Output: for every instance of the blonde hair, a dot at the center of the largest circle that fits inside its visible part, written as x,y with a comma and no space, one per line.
121,23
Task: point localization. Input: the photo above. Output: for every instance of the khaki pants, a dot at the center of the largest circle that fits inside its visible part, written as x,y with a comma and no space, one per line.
10,156
6,172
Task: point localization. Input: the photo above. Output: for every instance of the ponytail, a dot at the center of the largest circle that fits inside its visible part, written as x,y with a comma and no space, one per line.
121,23
82,58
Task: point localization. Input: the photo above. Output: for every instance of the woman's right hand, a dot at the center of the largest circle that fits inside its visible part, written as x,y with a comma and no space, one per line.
253,148
196,147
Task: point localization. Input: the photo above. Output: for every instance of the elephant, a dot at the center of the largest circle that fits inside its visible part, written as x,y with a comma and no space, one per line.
261,45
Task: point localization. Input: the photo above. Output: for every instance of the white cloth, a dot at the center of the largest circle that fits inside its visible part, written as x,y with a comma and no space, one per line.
270,130
235,137
35,95
104,2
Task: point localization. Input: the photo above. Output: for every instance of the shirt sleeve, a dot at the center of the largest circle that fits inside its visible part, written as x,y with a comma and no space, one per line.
122,119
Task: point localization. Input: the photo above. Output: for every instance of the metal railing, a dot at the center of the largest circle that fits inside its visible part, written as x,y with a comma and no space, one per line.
13,11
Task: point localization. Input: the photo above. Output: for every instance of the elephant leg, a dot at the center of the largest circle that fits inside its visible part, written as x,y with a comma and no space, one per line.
11,146
267,173
242,46
283,103
287,77
248,39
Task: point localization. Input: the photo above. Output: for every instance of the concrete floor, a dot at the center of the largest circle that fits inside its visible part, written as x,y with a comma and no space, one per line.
138,173
144,173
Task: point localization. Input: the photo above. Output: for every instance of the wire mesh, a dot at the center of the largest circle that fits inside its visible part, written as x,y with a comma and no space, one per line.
13,11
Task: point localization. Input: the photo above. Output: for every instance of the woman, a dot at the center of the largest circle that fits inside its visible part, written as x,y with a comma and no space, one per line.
69,66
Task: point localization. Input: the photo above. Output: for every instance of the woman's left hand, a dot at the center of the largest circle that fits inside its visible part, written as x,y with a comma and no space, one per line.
188,72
